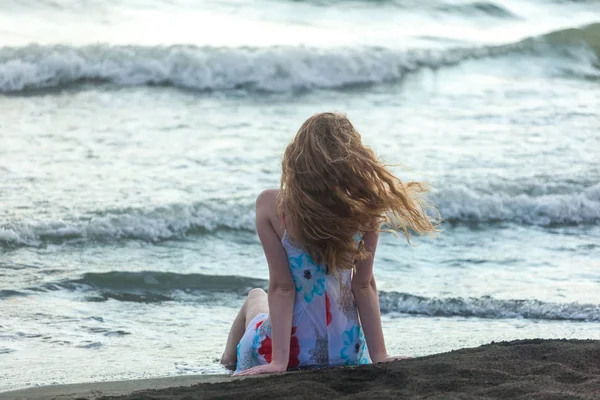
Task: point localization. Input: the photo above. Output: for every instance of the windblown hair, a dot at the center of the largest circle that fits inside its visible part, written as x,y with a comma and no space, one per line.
333,187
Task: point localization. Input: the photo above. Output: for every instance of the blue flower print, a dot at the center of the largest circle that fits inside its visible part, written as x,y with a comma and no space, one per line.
309,277
354,348
363,356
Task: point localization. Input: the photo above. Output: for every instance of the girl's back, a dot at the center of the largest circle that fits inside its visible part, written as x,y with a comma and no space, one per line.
325,324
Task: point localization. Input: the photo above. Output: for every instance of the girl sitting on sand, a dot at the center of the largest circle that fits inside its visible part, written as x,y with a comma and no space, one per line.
319,232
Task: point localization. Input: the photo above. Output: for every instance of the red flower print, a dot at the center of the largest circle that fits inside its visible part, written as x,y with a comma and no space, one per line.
258,324
328,308
294,350
266,349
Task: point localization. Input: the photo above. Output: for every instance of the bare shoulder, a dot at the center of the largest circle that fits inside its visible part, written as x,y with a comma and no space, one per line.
267,199
266,210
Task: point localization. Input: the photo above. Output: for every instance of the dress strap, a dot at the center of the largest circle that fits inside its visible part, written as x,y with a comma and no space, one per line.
284,238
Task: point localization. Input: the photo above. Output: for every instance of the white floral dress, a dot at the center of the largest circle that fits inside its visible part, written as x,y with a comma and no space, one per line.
325,326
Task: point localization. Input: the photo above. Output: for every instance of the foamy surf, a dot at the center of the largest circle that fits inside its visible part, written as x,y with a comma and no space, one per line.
486,307
275,69
269,69
459,204
162,223
463,204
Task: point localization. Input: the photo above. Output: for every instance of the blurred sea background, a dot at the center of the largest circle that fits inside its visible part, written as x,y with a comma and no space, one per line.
135,136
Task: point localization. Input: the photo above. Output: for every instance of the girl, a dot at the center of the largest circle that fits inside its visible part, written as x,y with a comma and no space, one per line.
319,232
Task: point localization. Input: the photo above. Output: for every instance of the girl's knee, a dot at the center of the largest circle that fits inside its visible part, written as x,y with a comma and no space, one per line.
256,292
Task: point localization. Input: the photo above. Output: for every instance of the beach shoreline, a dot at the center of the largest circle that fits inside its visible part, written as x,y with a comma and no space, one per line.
523,369
93,390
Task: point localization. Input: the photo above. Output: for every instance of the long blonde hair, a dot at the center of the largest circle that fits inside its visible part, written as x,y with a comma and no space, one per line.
333,187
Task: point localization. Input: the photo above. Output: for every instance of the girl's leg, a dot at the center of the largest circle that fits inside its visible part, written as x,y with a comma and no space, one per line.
256,303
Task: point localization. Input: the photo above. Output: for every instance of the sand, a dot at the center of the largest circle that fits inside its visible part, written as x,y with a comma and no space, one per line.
527,369
99,389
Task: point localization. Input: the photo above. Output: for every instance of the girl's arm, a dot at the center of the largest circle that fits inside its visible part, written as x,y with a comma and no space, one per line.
282,291
364,289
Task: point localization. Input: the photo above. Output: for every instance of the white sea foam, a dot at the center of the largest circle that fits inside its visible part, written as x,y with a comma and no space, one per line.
464,204
486,307
268,69
457,204
152,225
273,69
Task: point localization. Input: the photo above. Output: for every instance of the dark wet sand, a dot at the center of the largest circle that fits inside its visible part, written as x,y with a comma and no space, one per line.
527,369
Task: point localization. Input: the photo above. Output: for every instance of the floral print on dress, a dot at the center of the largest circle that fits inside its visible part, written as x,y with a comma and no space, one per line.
354,346
364,354
328,309
320,353
266,349
309,278
294,350
326,328
346,303
246,359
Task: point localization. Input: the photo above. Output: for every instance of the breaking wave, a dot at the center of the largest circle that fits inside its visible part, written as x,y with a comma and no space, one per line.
270,69
152,287
163,223
463,204
460,204
486,307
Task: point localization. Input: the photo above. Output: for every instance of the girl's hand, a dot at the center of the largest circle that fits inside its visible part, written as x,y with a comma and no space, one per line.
387,358
271,368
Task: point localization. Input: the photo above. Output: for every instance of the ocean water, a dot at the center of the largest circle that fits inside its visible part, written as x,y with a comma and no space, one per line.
135,136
